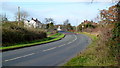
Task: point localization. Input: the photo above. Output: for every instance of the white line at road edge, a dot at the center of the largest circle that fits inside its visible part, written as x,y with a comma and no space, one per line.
19,57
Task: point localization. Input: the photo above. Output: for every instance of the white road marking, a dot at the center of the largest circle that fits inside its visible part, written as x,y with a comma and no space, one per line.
49,49
43,50
61,45
19,57
69,42
73,40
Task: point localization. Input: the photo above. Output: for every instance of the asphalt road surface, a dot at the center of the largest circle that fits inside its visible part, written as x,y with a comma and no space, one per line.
50,54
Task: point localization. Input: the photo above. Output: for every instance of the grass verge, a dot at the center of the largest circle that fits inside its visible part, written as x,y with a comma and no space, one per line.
54,37
94,55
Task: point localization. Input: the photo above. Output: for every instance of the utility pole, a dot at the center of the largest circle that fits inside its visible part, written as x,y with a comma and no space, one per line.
18,15
76,24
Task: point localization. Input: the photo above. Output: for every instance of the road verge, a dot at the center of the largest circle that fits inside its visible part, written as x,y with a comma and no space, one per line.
84,57
94,55
52,38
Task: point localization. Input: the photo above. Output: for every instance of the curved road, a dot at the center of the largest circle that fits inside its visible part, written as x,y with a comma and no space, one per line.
50,54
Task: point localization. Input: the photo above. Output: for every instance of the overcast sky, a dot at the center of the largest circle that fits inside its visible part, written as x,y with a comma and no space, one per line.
75,11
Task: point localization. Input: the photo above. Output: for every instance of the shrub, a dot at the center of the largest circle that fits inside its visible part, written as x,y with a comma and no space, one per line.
13,34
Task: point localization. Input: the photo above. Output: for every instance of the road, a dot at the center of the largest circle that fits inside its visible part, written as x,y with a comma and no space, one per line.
50,54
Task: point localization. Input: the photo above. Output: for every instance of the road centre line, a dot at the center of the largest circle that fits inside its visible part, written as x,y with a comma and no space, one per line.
43,51
73,40
19,57
49,49
69,42
61,45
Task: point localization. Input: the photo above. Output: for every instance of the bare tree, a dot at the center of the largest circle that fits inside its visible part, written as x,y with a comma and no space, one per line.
49,23
49,20
23,15
3,18
66,22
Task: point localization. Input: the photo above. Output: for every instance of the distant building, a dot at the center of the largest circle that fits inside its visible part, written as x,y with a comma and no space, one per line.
34,22
58,29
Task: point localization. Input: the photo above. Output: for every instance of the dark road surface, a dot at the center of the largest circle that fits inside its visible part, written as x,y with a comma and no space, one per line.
50,54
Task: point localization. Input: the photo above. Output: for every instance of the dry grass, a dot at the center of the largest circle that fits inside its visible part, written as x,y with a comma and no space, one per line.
95,55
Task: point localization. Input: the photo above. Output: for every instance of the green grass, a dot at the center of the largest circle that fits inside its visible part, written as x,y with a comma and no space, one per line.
46,40
94,55
48,32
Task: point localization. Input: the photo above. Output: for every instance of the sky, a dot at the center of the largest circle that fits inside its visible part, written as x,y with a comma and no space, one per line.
59,0
76,11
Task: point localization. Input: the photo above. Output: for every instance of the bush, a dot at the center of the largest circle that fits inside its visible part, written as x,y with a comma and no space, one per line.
116,32
109,38
115,47
13,34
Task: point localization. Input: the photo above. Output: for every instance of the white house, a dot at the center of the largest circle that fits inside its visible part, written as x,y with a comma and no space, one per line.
59,29
33,23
